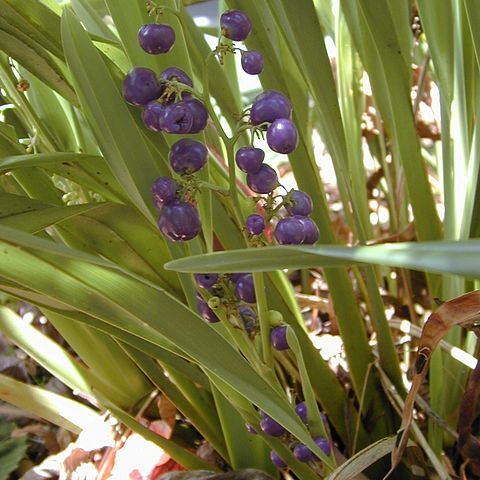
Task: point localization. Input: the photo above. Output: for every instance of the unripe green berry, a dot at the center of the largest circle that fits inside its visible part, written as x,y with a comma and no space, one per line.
214,302
275,318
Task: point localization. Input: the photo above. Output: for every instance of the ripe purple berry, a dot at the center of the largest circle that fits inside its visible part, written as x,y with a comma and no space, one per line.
235,277
301,410
255,224
206,280
199,114
268,106
248,317
235,25
174,74
311,230
263,181
245,289
324,444
282,136
250,429
249,159
156,38
276,460
300,203
164,190
270,426
252,62
187,156
177,118
303,453
152,115
289,231
179,221
205,311
278,337
140,86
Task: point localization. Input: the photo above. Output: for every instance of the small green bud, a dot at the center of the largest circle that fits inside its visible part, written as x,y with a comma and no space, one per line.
275,318
214,302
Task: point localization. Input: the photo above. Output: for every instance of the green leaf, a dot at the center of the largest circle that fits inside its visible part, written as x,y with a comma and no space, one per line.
428,256
35,59
66,413
37,21
374,32
359,462
92,21
37,220
125,302
60,364
90,171
12,450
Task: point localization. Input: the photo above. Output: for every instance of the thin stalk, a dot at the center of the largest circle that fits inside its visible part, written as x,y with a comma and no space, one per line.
262,309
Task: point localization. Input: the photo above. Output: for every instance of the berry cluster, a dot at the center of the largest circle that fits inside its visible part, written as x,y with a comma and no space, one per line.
230,292
179,219
272,110
302,453
235,25
169,106
167,101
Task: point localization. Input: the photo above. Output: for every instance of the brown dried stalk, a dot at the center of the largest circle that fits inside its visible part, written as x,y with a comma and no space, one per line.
463,311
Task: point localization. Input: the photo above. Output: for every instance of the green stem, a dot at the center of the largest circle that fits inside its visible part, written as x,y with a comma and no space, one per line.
263,318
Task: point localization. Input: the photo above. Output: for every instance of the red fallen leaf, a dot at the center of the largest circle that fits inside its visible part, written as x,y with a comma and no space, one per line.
138,458
170,466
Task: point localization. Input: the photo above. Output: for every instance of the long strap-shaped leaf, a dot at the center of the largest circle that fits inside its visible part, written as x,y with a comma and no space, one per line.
463,311
427,256
145,310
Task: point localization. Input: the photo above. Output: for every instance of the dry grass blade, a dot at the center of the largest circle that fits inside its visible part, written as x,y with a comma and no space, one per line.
463,311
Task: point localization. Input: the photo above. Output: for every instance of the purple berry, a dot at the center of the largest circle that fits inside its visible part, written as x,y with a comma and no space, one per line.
140,86
289,231
178,75
205,311
278,337
177,118
245,290
248,317
282,136
206,280
263,181
255,224
324,444
235,25
303,453
269,106
199,114
164,190
250,429
249,159
301,410
156,38
235,277
187,156
152,115
270,426
252,62
300,204
179,221
276,460
311,230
